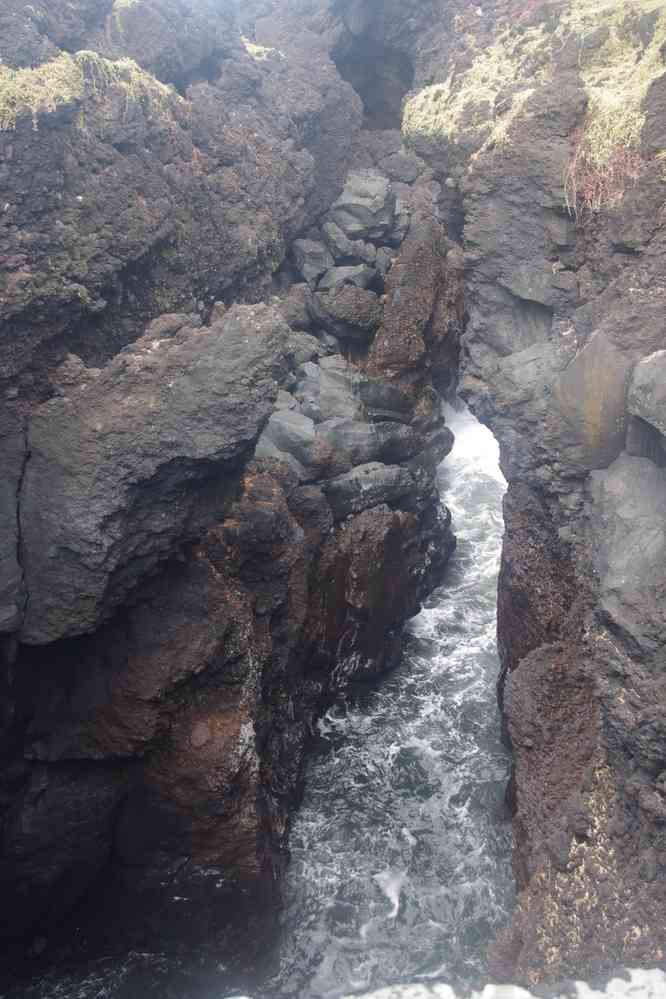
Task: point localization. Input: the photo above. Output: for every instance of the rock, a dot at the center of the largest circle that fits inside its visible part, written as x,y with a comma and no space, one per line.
367,442
367,486
56,838
312,259
102,500
285,400
403,220
257,152
416,282
402,166
302,347
268,449
348,312
345,250
170,323
291,432
295,307
385,258
629,529
647,391
590,394
13,454
361,276
366,207
324,393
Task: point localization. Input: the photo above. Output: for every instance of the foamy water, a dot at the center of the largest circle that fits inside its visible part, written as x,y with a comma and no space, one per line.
400,872
401,851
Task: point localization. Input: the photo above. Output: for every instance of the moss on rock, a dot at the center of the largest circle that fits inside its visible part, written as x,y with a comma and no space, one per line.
479,102
69,78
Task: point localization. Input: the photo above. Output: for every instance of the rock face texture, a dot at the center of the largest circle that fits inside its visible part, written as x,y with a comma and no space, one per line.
228,315
218,502
562,356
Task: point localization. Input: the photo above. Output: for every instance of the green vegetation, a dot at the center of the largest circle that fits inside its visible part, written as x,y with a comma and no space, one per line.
471,101
70,78
258,52
479,104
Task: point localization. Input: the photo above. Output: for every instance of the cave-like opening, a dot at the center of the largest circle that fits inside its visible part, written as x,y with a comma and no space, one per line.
380,75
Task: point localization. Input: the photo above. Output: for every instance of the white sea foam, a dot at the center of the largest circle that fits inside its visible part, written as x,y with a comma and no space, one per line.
635,984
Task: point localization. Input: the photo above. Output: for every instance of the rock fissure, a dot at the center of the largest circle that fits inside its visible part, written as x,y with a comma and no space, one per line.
227,513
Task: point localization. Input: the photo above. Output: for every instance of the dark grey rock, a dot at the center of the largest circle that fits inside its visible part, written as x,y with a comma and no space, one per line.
366,207
360,275
312,259
366,486
302,347
103,497
345,249
12,459
292,433
348,312
647,391
285,400
590,394
266,448
383,401
295,307
403,220
402,166
366,442
628,517
385,258
329,390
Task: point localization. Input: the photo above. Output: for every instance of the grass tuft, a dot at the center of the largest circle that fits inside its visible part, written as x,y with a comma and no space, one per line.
67,79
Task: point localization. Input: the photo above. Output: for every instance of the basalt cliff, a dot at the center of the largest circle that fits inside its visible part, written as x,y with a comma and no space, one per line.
245,250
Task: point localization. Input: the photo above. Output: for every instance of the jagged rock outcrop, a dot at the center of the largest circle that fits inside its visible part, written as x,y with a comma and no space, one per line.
125,198
524,121
218,510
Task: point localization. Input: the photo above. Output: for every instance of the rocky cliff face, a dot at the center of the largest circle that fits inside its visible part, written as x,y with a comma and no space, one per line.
227,317
543,121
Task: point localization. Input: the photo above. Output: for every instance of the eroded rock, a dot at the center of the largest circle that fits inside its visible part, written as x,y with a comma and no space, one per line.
102,499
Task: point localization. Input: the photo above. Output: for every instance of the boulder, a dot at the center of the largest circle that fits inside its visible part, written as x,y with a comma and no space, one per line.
366,486
647,391
312,259
348,312
291,432
325,393
302,347
366,207
295,307
268,449
125,467
361,276
285,400
403,166
347,250
590,394
366,442
628,518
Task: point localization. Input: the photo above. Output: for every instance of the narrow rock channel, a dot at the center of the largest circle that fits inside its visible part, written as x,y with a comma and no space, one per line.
400,856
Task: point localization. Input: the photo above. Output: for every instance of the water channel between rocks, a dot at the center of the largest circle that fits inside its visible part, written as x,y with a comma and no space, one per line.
400,871
400,864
